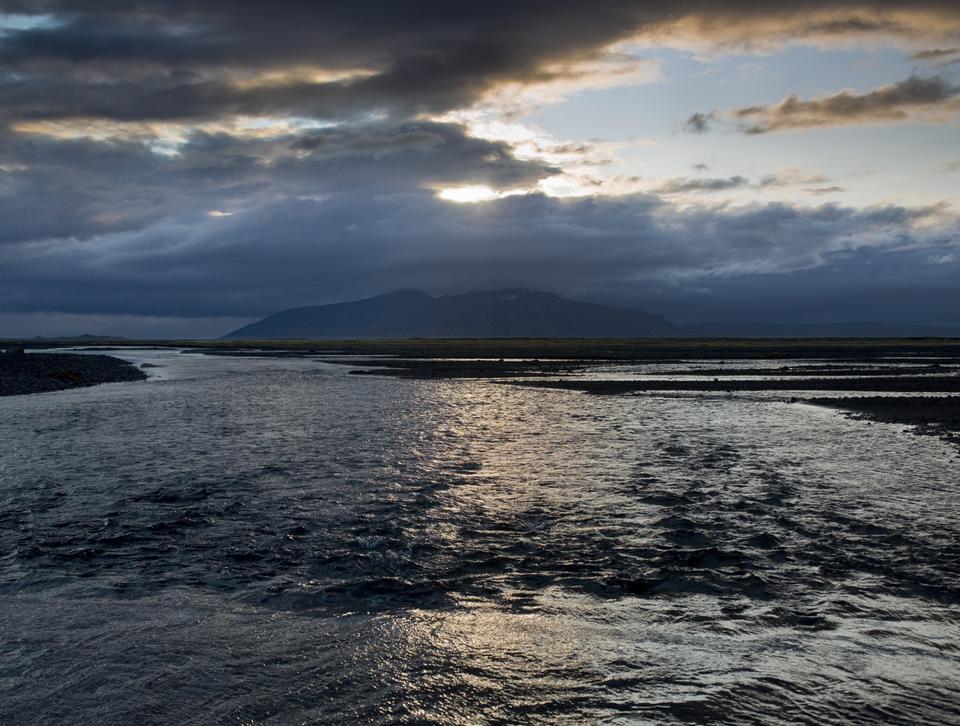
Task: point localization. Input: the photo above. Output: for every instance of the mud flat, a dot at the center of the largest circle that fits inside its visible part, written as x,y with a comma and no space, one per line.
932,415
22,373
900,384
812,371
439,368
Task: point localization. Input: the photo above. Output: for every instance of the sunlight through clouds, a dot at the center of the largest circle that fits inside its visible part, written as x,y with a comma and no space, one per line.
463,195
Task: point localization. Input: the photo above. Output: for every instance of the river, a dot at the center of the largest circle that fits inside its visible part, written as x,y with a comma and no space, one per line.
243,540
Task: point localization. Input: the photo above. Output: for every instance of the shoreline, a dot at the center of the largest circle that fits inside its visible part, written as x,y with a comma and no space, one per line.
845,368
901,384
586,349
929,415
27,373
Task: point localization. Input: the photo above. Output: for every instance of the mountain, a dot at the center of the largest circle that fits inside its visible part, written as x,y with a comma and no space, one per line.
495,314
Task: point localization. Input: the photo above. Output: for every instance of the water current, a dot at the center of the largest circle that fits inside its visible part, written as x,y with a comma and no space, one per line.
277,541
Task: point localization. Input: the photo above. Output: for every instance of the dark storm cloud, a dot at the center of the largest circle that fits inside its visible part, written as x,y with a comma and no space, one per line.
183,61
342,212
410,154
80,189
145,195
285,252
127,59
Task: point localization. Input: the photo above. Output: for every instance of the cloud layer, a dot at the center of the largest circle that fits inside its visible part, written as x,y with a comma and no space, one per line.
301,229
177,61
235,158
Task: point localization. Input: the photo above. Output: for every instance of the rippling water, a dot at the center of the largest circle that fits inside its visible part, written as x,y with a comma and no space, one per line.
276,541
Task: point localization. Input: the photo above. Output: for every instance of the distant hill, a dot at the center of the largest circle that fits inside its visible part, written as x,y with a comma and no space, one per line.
497,314
84,338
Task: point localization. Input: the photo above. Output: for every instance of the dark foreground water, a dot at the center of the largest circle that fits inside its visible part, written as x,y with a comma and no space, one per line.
276,541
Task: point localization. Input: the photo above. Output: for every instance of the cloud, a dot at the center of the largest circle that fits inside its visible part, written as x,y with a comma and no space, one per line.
273,253
107,187
936,54
232,158
821,191
913,99
785,178
240,227
739,26
191,62
683,185
791,177
698,123
933,100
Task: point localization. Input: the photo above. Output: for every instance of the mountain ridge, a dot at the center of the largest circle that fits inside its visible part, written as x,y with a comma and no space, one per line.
506,313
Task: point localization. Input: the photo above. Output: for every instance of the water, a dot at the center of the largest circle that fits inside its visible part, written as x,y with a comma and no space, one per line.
276,541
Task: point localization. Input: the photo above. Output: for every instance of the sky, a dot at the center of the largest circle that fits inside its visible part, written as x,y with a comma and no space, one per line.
177,169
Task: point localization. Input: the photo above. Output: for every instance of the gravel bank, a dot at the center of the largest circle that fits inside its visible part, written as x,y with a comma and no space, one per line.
22,373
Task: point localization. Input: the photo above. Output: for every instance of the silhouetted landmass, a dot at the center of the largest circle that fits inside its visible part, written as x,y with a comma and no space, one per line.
520,313
498,314
22,373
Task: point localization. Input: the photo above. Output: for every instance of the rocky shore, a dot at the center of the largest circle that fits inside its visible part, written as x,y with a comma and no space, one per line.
22,373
